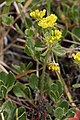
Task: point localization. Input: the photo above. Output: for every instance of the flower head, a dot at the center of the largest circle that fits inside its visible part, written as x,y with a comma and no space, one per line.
55,36
48,21
76,57
38,14
54,67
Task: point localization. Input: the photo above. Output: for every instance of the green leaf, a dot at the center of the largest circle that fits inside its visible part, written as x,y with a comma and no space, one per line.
28,51
7,20
53,96
6,9
22,67
47,84
56,91
29,65
30,42
1,82
54,87
18,28
28,92
71,112
9,2
49,108
64,33
17,68
59,113
59,50
60,87
76,33
64,104
21,113
29,32
3,77
10,79
9,110
38,43
76,85
8,106
19,90
75,12
29,22
37,54
3,91
7,82
33,81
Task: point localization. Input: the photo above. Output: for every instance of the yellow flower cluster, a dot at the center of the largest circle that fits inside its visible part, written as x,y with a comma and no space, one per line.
54,67
38,14
76,57
44,22
48,21
55,36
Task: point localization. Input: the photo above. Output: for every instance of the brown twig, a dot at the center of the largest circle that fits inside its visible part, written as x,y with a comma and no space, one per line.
13,99
73,42
18,103
25,73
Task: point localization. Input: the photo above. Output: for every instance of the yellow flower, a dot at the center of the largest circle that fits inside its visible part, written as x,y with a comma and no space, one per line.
48,21
38,14
54,67
55,36
76,57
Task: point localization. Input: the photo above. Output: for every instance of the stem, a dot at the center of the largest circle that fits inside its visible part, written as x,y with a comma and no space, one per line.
48,7
25,73
2,116
73,42
37,91
66,90
44,68
16,114
37,68
1,42
2,4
